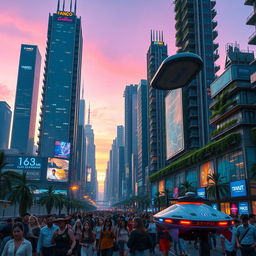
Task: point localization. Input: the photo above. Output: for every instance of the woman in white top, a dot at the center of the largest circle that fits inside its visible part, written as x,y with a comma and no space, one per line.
122,237
18,246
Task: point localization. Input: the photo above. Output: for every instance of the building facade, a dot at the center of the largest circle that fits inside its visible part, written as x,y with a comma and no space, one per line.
25,109
61,85
131,140
5,117
142,127
195,32
157,52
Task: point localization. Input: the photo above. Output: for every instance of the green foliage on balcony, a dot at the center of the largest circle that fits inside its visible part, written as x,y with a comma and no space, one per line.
197,156
222,128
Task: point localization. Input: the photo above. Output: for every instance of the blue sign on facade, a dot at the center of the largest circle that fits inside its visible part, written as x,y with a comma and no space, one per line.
238,188
201,192
243,208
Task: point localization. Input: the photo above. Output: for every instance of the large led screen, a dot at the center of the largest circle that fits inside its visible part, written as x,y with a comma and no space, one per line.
62,149
57,170
205,170
20,164
174,123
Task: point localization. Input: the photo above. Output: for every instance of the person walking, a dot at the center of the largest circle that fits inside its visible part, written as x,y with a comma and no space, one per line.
18,246
151,229
63,238
33,232
122,237
139,240
45,247
97,230
78,229
164,241
107,238
87,241
246,237
228,242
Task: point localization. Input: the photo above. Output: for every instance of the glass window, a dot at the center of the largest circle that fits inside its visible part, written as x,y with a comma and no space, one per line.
192,177
225,207
179,179
231,166
169,183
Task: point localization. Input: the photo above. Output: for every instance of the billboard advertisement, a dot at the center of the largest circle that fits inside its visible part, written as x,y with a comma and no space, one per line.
205,170
243,208
20,164
62,149
174,123
201,192
161,186
238,188
234,208
57,170
57,191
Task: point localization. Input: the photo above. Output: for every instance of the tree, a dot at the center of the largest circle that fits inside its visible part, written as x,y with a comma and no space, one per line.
166,193
60,202
216,187
186,187
49,199
157,200
22,193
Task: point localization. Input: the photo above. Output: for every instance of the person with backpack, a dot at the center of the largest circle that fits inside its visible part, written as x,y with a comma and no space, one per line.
139,240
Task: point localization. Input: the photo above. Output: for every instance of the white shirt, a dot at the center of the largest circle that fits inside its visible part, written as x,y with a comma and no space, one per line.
230,245
25,249
52,177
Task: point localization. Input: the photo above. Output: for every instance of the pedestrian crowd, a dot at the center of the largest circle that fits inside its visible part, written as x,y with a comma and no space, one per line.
103,233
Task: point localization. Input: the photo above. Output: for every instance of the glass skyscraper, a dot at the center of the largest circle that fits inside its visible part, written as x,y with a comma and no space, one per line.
157,52
5,117
25,110
61,85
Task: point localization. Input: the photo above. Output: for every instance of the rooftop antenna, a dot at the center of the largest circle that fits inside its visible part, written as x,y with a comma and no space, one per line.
75,6
71,3
58,6
162,36
64,5
151,35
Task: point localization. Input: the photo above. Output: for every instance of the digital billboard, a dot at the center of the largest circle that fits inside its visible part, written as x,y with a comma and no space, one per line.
20,164
57,191
57,170
205,170
238,188
243,208
174,123
62,149
201,192
161,186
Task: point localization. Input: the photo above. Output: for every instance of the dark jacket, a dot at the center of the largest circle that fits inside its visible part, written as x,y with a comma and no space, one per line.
139,241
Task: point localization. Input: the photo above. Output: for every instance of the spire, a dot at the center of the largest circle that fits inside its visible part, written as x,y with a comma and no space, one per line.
71,3
83,91
89,114
64,5
58,6
75,7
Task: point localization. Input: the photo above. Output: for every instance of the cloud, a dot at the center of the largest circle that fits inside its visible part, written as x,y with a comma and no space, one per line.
6,94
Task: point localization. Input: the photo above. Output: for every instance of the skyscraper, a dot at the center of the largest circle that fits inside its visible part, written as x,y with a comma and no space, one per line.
142,127
251,20
5,117
25,110
131,141
196,33
157,52
62,77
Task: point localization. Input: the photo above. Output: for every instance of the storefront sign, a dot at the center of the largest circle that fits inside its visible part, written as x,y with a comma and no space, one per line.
234,208
201,192
243,208
238,188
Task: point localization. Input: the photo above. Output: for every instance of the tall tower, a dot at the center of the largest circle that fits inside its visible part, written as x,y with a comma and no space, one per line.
157,52
196,33
131,141
62,77
25,110
251,20
5,117
142,126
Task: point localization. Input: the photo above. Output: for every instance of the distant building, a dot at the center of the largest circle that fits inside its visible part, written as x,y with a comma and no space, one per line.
61,85
157,52
251,20
131,140
25,109
5,117
142,127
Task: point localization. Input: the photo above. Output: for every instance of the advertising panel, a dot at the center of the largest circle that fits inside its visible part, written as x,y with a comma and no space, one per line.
205,170
243,208
62,149
57,170
234,208
57,191
174,123
176,192
161,186
238,188
201,192
20,164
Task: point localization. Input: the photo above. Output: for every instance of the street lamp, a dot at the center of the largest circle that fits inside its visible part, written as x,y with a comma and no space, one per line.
74,188
177,71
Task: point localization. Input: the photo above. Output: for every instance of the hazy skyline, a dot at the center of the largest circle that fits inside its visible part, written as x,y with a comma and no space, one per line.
116,38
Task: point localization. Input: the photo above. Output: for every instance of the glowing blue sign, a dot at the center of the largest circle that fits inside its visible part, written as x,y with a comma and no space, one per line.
201,192
243,208
238,188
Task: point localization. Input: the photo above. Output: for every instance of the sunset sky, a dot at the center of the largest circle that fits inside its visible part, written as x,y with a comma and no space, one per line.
116,38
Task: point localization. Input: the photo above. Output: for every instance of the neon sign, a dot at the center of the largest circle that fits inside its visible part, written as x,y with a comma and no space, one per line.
64,19
64,13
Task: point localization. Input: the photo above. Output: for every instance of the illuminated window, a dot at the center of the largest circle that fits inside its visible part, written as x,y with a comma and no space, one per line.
225,207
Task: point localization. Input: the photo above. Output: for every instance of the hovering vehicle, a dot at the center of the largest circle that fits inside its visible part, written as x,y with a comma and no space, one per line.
190,217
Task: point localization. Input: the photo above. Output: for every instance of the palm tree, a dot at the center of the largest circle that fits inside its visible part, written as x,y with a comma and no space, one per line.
166,193
49,199
185,187
157,200
22,193
59,204
216,187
